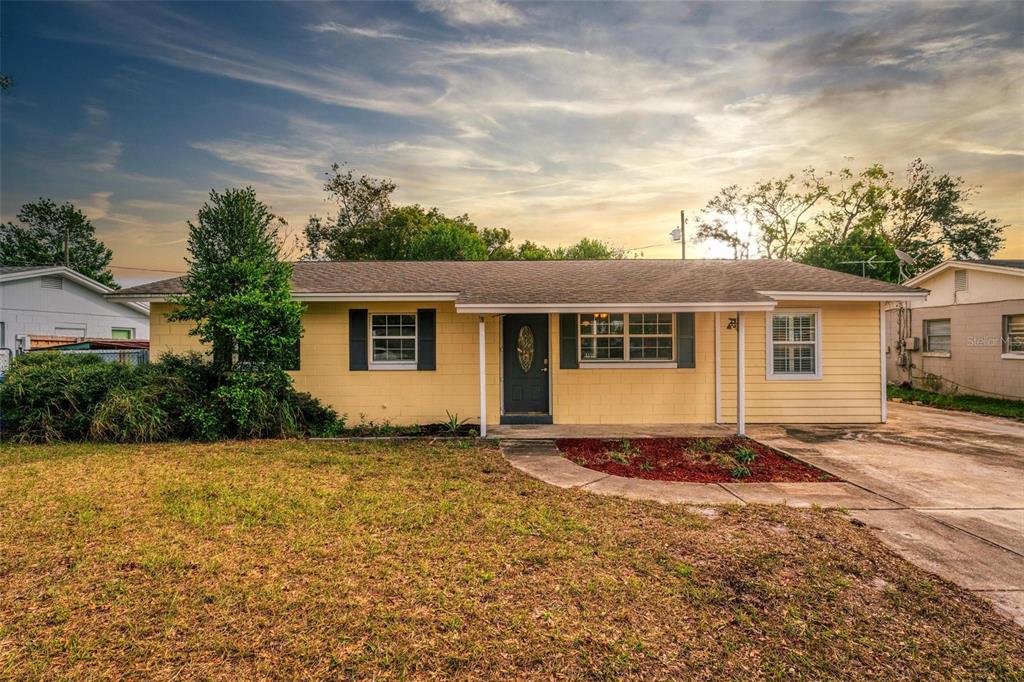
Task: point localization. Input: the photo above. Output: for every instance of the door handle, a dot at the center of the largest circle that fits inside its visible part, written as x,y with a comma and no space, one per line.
543,369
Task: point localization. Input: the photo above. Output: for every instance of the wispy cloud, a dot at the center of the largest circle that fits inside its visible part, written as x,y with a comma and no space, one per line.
106,157
362,31
475,12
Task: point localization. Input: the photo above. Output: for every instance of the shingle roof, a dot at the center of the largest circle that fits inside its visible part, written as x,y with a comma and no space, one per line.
1001,262
567,282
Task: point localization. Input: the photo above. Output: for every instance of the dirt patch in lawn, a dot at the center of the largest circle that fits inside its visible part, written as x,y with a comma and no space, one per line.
699,460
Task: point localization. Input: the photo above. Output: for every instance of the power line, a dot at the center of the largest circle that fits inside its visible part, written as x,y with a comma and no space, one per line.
127,267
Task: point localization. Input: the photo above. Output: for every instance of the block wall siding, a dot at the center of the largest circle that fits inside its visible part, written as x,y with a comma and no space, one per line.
633,395
399,396
849,390
975,363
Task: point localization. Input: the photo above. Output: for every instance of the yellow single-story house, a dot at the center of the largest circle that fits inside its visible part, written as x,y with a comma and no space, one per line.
582,342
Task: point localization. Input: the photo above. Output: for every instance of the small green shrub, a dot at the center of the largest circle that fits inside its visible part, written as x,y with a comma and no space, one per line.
703,445
453,425
739,471
744,455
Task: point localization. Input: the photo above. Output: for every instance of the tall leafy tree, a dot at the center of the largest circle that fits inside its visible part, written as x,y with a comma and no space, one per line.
360,230
927,216
862,251
448,240
238,291
38,239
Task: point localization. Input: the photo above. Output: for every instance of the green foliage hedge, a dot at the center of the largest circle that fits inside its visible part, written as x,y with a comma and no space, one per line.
47,397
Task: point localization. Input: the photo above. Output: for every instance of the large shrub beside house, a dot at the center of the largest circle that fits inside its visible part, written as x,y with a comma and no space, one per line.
50,396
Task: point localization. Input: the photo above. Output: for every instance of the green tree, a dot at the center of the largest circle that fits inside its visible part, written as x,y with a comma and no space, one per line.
448,240
38,239
532,251
588,249
238,291
360,230
927,216
860,244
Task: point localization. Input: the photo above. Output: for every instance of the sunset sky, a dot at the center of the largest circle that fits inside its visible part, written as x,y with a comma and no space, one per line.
556,120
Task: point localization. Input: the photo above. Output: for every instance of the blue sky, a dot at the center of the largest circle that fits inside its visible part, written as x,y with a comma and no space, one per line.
556,120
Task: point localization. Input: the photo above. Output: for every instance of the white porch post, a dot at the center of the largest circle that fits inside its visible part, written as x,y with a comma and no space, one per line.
483,379
718,368
882,359
741,420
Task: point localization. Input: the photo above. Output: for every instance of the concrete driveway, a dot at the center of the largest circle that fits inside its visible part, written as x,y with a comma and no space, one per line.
957,478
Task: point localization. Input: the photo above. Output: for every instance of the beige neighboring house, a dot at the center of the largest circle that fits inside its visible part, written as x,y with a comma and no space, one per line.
968,335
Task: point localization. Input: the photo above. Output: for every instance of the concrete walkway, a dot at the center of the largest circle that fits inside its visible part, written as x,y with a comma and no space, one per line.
945,490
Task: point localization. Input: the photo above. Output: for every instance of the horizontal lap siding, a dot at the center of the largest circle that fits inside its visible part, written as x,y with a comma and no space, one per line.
850,389
634,395
399,396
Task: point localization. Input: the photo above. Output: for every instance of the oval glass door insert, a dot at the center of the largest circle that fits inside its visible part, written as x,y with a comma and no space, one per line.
524,347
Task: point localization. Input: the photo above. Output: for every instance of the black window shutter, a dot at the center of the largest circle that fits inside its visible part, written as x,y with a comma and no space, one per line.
686,350
567,350
426,339
358,352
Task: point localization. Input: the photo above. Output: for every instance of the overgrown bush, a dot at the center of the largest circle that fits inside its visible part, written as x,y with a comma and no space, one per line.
130,415
49,397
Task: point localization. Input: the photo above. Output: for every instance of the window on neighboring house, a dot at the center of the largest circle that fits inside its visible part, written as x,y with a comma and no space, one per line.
620,337
123,333
794,346
936,336
1013,334
393,339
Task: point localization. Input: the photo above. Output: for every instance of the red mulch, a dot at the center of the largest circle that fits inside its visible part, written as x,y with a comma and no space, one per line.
676,459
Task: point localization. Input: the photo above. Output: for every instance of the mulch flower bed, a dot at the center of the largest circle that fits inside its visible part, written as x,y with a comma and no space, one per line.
700,460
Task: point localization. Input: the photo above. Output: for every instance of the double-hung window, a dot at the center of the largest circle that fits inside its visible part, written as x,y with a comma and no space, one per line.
393,339
794,345
936,336
1013,335
627,337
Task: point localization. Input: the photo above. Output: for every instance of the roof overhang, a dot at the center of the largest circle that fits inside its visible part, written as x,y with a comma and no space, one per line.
845,296
963,265
681,307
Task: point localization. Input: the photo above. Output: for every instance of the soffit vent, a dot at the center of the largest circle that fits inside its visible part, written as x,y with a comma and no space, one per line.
52,282
960,280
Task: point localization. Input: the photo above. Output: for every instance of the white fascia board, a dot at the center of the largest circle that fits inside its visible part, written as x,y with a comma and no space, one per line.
963,265
844,296
612,307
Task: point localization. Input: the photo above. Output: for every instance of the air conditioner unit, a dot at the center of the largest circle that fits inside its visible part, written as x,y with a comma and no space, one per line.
912,343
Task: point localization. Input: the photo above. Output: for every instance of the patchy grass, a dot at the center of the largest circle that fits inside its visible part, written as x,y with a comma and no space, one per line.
996,407
369,560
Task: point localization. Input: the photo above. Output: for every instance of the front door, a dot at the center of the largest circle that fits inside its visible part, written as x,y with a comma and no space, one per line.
525,368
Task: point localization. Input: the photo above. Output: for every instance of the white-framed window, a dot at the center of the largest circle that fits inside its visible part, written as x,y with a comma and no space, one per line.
626,337
393,340
1013,336
122,333
793,343
937,336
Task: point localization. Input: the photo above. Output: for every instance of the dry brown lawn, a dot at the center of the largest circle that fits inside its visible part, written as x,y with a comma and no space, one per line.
334,560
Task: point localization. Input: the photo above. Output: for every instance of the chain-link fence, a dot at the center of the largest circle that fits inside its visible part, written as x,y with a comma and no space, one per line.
126,356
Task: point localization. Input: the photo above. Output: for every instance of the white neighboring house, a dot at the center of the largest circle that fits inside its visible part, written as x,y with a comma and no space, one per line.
57,301
968,335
